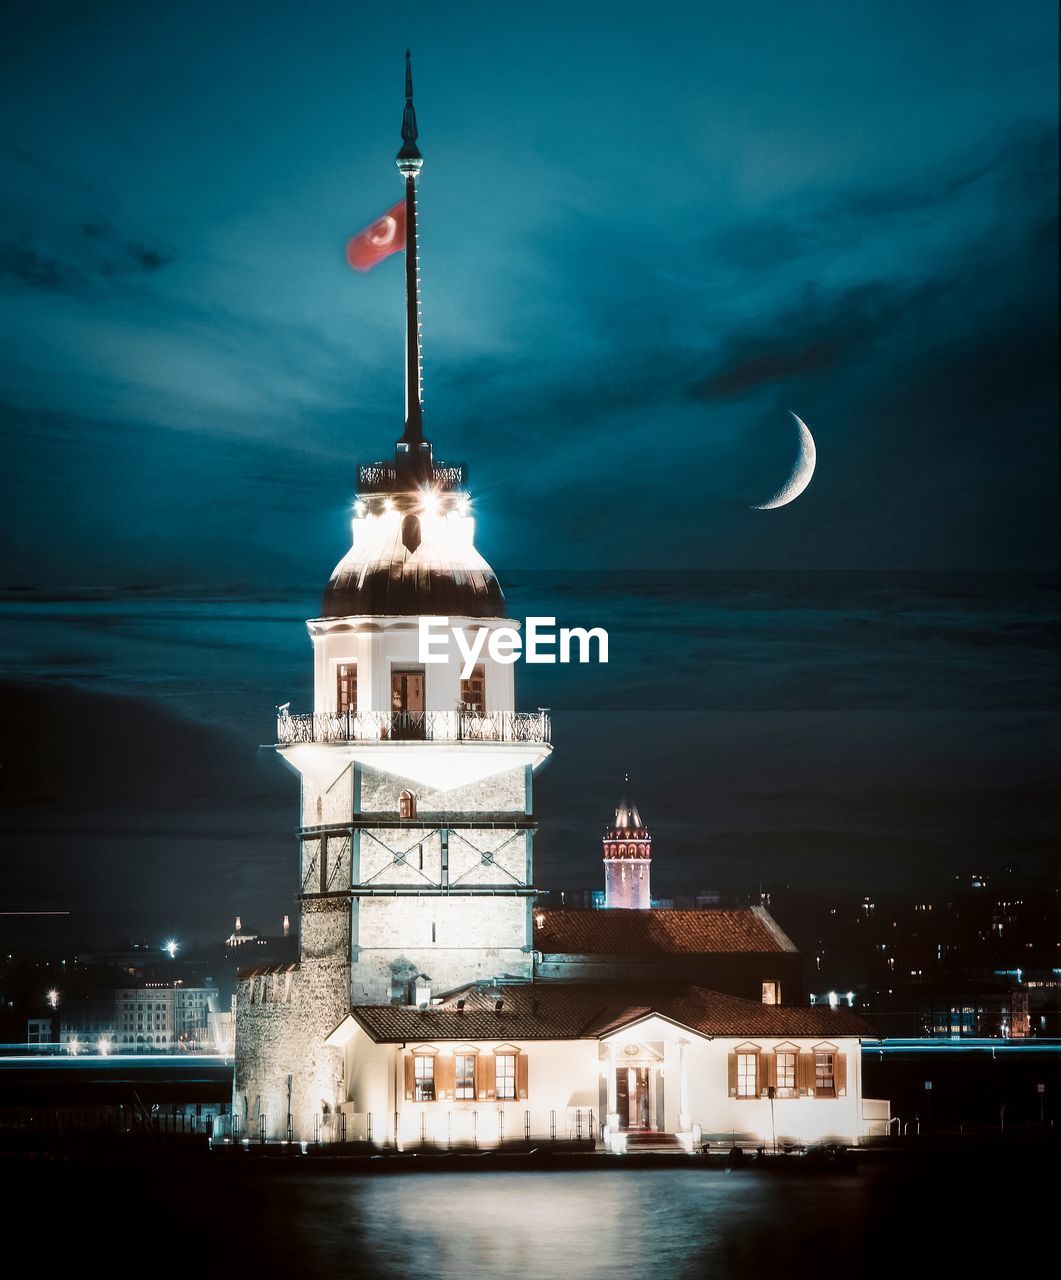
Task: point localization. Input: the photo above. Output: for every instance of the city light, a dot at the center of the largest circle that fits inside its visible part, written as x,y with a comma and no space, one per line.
170,948
53,998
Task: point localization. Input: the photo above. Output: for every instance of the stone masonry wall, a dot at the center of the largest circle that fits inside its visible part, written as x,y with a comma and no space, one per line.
282,1021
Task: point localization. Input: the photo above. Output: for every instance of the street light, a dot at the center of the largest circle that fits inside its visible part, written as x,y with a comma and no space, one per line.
53,998
171,947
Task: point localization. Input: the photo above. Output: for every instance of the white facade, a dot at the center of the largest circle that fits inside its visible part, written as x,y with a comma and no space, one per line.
571,1091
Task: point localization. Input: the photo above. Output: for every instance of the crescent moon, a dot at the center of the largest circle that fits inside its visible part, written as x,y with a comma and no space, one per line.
801,474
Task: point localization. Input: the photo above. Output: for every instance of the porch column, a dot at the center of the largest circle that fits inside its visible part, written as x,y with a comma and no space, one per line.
684,1119
613,1101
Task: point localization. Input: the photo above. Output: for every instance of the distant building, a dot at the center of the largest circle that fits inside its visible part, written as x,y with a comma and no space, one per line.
627,860
1000,1013
88,1022
40,1031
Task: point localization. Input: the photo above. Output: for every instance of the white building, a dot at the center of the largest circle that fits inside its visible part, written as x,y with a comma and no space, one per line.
543,1060
416,842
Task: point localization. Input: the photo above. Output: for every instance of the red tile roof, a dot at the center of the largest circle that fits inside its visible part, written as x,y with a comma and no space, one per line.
616,932
574,1011
261,970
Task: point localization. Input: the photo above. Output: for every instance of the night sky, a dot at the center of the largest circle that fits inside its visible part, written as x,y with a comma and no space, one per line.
644,240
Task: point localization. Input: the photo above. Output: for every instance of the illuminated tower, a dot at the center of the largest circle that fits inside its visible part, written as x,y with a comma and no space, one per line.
627,859
416,830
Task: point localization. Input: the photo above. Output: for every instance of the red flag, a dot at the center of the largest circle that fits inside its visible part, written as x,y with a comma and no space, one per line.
385,236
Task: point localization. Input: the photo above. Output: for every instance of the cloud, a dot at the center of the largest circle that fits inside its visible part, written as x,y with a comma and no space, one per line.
812,337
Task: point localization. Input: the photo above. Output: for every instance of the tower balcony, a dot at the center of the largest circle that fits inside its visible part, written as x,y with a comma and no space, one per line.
385,477
410,726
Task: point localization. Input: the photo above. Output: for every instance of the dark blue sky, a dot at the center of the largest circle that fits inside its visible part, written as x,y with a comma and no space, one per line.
646,235
643,241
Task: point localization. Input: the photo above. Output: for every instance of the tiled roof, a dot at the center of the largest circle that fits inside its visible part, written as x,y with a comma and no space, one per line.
618,932
563,1011
261,970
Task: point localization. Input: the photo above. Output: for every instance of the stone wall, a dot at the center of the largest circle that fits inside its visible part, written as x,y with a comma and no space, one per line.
503,793
283,1017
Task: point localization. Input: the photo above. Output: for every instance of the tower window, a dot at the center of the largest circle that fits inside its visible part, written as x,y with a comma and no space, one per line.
407,704
473,691
407,805
346,687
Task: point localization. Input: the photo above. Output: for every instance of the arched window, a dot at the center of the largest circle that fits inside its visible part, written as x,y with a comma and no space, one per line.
320,811
407,805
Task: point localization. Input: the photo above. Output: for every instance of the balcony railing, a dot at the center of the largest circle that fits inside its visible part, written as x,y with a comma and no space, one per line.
410,726
383,477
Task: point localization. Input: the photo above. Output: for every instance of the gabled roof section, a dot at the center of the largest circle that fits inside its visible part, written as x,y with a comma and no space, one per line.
705,931
562,1011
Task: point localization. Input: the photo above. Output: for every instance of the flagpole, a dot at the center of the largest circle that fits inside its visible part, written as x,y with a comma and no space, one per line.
413,450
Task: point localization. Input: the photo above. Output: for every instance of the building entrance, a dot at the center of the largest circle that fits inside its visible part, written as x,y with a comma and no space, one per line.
632,1097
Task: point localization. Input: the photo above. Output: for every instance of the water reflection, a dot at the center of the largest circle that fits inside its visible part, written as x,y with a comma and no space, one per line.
540,1226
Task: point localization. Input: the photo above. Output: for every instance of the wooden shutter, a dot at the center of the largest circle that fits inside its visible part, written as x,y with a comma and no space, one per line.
732,1075
445,1077
410,1077
485,1075
521,1075
768,1072
840,1072
806,1074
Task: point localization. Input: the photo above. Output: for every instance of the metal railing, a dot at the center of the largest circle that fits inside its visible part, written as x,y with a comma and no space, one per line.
411,726
383,477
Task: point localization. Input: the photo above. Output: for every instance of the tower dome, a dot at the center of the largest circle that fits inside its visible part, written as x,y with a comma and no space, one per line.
413,553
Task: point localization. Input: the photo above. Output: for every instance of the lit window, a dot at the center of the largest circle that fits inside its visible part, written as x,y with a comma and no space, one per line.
465,1075
473,691
506,1075
346,687
786,1074
424,1078
747,1075
407,805
771,993
824,1077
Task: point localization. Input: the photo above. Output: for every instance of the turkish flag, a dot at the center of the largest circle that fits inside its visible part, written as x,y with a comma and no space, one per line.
385,236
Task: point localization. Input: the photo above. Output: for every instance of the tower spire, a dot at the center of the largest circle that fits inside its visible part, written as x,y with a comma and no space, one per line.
413,451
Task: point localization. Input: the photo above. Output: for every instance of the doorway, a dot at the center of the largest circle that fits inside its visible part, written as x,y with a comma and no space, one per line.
407,704
632,1097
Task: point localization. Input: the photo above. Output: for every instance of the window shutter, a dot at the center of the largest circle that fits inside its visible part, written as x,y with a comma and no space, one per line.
806,1075
410,1078
445,1077
485,1076
521,1075
767,1072
840,1069
732,1075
